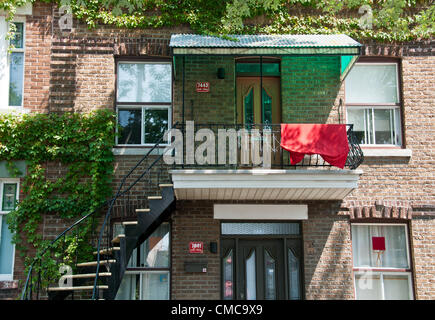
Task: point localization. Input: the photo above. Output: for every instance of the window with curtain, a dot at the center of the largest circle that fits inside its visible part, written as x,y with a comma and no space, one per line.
381,262
143,100
9,198
373,103
147,274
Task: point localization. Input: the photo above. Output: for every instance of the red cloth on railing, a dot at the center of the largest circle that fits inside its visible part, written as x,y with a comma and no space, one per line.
327,140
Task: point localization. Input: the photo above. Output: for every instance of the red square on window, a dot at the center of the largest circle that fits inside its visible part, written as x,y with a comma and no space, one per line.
378,243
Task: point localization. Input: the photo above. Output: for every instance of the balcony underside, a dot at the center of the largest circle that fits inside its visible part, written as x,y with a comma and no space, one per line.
263,184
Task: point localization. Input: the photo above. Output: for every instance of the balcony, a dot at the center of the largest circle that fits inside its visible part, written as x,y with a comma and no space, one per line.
247,162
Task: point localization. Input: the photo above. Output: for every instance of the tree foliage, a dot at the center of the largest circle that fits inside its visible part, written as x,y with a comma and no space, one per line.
392,20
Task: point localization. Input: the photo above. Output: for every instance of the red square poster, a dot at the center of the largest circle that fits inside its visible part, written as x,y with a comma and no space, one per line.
378,243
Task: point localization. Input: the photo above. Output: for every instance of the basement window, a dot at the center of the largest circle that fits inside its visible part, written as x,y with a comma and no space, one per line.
143,102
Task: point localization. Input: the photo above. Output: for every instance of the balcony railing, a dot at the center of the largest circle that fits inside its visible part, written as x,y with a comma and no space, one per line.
235,151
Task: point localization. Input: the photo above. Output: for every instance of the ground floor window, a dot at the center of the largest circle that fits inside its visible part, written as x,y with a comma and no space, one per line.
148,275
261,261
9,198
381,262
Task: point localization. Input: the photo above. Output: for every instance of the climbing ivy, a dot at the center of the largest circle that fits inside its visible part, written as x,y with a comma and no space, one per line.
390,20
81,144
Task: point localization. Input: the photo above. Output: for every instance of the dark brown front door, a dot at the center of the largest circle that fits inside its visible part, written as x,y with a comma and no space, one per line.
261,269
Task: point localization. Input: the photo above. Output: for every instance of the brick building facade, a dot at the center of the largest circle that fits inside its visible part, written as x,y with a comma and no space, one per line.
77,71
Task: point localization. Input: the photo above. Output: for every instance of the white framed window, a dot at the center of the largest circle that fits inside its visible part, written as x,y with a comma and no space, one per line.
143,101
147,276
373,103
9,198
381,262
12,65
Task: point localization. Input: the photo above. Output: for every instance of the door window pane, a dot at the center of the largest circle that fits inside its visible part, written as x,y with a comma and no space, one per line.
155,285
375,83
357,118
293,266
228,280
269,269
396,287
155,124
144,82
129,121
267,108
249,107
368,287
9,196
251,283
16,75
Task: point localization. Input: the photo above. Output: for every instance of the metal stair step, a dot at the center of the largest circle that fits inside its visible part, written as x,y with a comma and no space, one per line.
143,210
100,287
88,275
109,250
94,263
117,239
155,198
129,223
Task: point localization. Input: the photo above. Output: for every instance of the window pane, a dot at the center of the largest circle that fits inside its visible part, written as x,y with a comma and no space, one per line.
269,269
260,228
155,285
396,287
144,82
293,266
155,250
16,74
156,123
129,288
6,247
130,126
372,84
368,287
9,196
251,283
17,42
395,254
383,126
228,276
267,108
356,117
249,107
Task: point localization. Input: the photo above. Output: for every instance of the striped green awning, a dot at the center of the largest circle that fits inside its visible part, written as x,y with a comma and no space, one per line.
280,45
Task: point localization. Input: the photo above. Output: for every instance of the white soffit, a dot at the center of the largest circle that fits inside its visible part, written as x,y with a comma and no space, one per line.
260,212
262,184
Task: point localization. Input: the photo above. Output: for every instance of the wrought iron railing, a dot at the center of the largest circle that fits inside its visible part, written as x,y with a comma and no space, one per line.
279,159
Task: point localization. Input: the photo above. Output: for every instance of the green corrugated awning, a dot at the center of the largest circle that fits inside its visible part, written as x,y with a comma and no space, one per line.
272,45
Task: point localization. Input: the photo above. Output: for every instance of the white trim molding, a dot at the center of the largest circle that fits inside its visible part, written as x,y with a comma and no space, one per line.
387,153
260,212
264,184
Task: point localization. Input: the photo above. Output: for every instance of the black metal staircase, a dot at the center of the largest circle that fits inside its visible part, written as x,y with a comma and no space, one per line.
144,199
